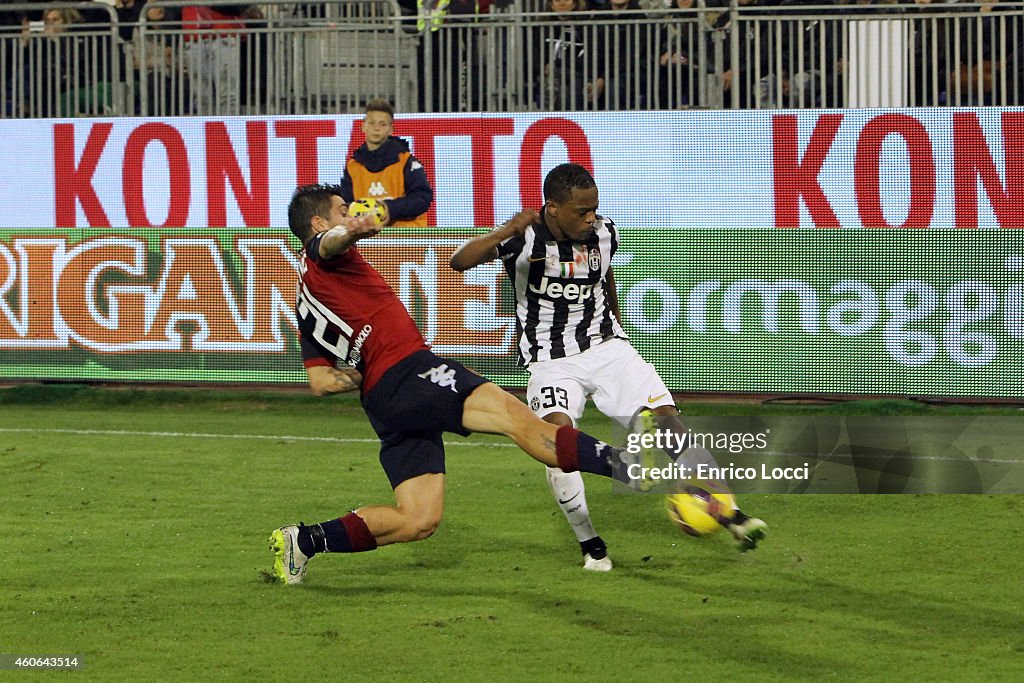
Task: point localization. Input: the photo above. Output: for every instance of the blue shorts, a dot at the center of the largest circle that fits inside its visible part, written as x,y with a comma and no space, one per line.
409,407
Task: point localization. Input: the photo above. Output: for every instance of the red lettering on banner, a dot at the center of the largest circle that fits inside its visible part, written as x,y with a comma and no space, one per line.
531,182
72,178
972,158
795,177
113,319
922,171
132,180
481,132
222,164
306,134
196,291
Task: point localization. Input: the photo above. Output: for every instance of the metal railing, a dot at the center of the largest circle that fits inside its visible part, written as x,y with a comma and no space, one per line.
330,57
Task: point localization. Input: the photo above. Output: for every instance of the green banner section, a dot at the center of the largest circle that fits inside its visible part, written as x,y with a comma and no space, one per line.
899,312
931,312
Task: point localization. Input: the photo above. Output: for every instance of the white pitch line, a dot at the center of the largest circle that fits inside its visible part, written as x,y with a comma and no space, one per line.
205,435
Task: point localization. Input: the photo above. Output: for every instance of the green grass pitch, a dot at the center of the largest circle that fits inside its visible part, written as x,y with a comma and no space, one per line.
134,527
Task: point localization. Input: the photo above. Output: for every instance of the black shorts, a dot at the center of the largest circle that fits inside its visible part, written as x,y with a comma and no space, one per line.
409,407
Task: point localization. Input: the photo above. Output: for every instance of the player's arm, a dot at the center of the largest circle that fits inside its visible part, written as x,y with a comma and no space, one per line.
484,248
325,380
613,294
338,239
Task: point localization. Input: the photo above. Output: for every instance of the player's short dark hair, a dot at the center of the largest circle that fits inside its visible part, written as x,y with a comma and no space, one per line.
381,105
309,201
563,179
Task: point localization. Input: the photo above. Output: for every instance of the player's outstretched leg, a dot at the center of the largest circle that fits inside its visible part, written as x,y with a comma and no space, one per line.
572,498
492,410
419,505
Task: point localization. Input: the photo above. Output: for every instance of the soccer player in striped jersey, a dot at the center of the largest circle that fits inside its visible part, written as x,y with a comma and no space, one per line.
355,333
559,264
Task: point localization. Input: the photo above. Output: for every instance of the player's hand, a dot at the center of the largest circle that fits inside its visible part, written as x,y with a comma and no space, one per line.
325,380
386,219
522,220
360,227
346,379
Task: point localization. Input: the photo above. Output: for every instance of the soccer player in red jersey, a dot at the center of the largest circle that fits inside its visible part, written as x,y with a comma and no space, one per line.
356,333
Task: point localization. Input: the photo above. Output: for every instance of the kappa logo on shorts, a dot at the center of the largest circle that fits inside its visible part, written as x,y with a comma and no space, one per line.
441,376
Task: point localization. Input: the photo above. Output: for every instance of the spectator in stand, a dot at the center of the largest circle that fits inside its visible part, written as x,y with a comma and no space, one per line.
384,169
679,57
212,45
931,66
715,55
565,58
12,77
455,59
127,16
255,49
625,46
155,53
990,50
68,62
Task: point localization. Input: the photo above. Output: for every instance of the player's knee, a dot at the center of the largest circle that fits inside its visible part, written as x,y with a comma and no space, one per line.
420,525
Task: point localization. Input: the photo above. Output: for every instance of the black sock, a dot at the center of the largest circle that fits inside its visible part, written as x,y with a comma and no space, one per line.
335,536
311,539
348,534
595,547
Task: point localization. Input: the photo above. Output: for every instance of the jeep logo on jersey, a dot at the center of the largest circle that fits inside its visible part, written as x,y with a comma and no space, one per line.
376,189
595,259
441,376
571,292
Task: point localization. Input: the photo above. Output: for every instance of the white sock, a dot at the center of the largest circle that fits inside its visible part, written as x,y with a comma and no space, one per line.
568,490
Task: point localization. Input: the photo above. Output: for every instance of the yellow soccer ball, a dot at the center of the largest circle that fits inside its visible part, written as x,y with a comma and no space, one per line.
368,206
697,511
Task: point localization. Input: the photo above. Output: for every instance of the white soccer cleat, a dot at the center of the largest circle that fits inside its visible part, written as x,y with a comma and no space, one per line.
595,555
289,561
748,532
597,564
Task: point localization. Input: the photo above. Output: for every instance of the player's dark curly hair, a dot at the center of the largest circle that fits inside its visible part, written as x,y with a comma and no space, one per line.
309,201
563,179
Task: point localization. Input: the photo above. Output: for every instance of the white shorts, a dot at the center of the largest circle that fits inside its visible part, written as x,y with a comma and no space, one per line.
611,373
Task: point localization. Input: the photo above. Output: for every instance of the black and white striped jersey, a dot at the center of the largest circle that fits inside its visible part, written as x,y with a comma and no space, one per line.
562,305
